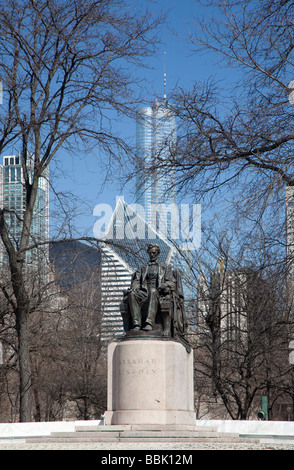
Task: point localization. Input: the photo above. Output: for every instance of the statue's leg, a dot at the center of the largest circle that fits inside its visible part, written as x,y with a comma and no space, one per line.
152,309
135,309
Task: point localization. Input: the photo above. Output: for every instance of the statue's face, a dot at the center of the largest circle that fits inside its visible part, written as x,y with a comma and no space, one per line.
153,254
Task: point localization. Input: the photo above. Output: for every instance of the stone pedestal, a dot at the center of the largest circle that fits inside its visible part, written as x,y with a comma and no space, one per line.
150,382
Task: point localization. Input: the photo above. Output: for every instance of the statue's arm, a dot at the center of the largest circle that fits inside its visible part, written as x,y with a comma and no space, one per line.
136,280
169,283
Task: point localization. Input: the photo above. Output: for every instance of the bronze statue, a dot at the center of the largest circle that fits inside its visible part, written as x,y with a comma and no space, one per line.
155,301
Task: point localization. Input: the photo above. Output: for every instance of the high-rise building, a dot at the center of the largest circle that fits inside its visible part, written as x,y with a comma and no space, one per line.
289,201
290,227
155,144
156,192
13,199
233,304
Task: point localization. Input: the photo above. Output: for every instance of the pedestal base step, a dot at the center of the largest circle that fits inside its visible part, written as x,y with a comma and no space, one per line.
140,433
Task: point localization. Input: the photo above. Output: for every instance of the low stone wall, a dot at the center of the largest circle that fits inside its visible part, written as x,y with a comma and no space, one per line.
23,430
267,431
250,426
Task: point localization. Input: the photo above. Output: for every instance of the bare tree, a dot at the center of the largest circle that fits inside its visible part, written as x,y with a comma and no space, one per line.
242,326
68,362
235,137
63,66
245,127
235,149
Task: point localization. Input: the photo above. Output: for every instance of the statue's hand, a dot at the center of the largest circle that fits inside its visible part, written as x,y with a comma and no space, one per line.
136,290
164,288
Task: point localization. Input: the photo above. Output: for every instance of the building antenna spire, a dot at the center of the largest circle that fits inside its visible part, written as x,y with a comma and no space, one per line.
164,76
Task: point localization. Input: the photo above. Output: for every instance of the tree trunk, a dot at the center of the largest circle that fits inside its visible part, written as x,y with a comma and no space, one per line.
22,311
25,373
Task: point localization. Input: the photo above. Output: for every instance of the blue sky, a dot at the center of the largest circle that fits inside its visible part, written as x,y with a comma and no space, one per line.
83,176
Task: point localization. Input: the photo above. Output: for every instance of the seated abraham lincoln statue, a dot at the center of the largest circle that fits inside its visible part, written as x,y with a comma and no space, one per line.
155,300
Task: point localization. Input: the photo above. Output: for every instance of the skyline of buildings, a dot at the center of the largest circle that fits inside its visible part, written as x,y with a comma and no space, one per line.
116,268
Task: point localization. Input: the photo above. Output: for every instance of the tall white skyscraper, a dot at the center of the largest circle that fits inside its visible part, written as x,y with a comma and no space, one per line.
156,192
156,143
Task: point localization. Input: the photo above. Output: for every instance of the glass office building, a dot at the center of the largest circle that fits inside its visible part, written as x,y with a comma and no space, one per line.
13,199
155,144
156,140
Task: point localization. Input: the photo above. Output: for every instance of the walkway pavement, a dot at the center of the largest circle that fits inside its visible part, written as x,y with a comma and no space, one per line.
188,446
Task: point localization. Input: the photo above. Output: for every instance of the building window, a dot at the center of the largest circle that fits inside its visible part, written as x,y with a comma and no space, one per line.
6,175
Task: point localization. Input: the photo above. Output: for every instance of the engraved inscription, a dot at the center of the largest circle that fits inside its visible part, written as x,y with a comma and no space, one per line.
138,366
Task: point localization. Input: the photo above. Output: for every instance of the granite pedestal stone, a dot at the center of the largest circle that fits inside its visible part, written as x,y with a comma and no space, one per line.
150,382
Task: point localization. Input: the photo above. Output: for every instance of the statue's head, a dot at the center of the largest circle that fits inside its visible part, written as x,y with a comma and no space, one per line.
153,246
153,251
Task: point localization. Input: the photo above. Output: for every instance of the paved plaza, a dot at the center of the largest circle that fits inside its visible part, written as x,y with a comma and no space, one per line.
188,446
